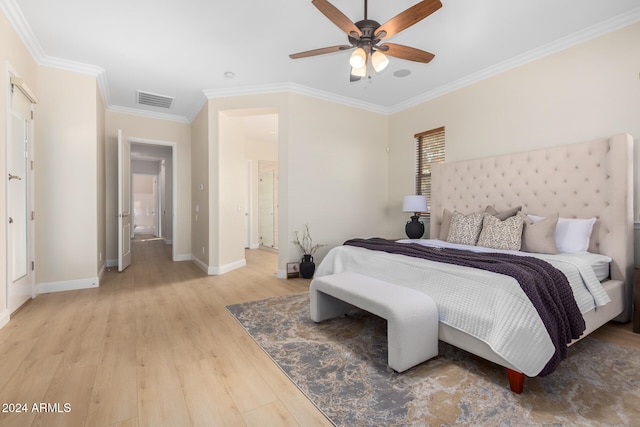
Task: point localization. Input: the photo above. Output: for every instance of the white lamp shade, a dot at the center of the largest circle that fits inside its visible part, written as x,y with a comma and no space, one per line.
379,61
360,72
358,58
414,204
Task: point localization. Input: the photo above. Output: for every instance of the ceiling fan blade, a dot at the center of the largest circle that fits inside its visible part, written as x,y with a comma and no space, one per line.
407,18
406,52
320,51
354,78
334,15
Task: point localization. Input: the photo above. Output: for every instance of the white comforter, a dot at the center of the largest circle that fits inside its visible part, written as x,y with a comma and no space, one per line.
488,306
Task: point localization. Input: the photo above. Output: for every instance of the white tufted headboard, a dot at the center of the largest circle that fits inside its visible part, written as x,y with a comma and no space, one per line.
592,179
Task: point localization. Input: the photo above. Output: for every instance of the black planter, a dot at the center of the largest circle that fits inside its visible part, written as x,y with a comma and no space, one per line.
307,267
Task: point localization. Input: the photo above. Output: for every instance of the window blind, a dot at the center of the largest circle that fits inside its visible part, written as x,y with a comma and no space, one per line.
429,150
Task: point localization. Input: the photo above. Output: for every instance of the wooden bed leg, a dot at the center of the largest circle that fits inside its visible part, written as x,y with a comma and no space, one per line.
516,381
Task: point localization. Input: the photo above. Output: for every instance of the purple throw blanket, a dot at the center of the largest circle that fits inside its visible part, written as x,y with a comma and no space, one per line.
547,287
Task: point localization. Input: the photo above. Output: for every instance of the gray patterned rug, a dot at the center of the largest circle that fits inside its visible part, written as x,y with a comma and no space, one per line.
340,365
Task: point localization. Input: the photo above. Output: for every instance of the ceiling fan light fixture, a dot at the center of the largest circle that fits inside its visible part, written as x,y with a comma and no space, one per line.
358,58
379,61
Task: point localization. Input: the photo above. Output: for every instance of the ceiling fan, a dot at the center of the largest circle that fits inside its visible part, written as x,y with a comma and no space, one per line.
365,36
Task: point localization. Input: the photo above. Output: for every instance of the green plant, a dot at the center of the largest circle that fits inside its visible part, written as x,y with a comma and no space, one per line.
305,245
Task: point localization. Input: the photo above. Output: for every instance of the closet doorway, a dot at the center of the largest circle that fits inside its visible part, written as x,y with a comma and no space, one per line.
147,204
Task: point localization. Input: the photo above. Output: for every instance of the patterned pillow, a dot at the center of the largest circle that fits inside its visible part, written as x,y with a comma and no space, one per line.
499,234
465,229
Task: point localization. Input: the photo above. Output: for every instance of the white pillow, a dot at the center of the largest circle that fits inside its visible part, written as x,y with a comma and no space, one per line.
572,235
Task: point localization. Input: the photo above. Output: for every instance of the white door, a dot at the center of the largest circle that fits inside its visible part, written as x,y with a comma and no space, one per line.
19,204
266,208
124,203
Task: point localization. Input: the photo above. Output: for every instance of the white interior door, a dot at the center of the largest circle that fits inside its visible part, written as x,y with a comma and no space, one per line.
124,203
20,222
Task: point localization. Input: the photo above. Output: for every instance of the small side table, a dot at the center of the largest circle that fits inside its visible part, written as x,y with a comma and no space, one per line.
636,300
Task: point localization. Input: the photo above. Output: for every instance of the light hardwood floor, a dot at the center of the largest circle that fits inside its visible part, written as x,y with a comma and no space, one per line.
155,346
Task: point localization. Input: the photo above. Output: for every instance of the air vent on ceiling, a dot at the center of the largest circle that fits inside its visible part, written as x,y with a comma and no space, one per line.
154,100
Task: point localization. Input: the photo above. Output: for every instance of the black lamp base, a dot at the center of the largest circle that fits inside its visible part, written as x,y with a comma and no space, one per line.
414,228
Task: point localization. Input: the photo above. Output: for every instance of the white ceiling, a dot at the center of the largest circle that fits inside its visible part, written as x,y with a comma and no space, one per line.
182,49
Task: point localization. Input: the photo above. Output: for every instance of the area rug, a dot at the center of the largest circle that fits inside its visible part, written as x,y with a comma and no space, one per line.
341,366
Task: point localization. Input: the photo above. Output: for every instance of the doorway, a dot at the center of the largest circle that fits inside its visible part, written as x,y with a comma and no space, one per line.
146,205
153,163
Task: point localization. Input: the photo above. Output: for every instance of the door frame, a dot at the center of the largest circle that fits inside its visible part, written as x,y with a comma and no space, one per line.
10,73
174,184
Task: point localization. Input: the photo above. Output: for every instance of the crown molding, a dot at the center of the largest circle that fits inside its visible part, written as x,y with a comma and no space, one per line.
148,114
19,23
605,27
293,88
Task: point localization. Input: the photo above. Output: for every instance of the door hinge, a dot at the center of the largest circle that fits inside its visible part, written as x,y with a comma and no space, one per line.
31,114
32,165
33,266
33,215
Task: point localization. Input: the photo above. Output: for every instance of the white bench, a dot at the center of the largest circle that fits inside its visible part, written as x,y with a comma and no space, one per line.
412,316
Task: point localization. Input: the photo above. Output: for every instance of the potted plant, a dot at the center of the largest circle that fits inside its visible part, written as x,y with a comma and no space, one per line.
306,246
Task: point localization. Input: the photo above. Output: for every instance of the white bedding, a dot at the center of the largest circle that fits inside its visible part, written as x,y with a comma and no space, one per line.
488,306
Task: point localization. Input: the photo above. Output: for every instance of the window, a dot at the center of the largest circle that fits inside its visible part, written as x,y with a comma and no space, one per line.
429,149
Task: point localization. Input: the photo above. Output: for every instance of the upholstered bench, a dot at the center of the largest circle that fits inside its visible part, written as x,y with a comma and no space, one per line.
412,316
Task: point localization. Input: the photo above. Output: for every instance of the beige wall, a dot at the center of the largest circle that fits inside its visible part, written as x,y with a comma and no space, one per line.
101,199
332,177
588,91
151,130
13,54
66,178
338,173
200,187
232,188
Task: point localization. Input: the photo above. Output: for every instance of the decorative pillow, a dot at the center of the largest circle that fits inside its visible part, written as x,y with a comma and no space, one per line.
498,234
572,235
445,224
539,237
504,214
465,229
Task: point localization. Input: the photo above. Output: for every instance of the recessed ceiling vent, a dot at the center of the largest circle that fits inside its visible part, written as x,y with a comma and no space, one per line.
154,100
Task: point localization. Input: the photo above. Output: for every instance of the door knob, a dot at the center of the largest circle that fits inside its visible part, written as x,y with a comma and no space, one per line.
10,220
14,177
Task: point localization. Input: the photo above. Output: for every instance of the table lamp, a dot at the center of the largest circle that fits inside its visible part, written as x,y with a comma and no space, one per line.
415,204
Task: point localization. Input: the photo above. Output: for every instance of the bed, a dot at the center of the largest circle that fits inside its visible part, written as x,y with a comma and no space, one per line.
584,180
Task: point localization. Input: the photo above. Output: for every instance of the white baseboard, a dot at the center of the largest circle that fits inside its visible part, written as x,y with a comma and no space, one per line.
112,263
67,285
281,274
216,271
4,317
254,246
201,265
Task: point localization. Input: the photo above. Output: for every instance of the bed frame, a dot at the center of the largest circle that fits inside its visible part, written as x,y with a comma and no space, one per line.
592,179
